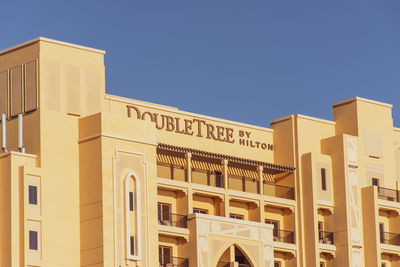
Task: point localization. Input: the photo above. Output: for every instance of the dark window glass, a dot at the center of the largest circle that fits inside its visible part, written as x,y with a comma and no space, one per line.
131,201
33,240
277,264
375,181
236,216
32,194
132,245
323,179
197,210
218,179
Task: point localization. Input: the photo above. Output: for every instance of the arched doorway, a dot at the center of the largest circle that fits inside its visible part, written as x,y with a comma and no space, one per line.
238,256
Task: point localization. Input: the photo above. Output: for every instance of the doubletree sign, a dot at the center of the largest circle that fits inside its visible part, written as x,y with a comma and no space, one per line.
199,128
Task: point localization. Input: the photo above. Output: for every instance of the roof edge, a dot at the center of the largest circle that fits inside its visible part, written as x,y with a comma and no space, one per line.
48,40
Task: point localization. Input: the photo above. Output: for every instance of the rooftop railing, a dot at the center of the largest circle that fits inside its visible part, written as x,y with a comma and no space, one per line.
171,172
390,238
388,194
243,184
280,191
207,177
283,236
168,261
326,237
172,219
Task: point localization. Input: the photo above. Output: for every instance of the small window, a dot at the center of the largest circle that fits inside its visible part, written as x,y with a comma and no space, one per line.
131,204
323,179
33,240
383,264
375,182
236,216
320,230
277,264
198,210
132,247
32,194
322,264
218,179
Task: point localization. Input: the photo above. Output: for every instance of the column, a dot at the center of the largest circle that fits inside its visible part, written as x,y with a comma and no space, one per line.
188,156
226,198
261,190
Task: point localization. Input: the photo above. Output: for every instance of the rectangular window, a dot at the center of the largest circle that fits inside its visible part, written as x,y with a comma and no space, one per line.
218,179
164,214
277,264
322,264
132,246
131,204
236,216
33,240
320,230
164,254
375,182
32,194
323,179
276,228
382,232
198,210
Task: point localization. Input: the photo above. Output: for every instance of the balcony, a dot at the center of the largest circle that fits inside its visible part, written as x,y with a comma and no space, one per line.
326,237
244,184
168,261
171,172
173,225
388,194
172,219
207,177
390,238
279,191
283,236
390,243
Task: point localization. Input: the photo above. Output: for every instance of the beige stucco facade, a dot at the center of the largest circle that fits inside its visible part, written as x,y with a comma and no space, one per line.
106,181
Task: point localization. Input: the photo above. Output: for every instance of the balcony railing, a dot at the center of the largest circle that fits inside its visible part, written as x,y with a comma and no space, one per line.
172,172
280,191
390,238
326,237
243,184
388,194
283,236
172,219
168,261
207,177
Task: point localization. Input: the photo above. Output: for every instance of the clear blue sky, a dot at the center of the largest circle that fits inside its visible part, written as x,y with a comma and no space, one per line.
244,60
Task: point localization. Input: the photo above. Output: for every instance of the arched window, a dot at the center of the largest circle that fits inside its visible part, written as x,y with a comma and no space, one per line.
132,216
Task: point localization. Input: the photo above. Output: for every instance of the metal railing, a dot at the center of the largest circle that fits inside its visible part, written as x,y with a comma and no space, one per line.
172,172
278,191
243,184
390,238
326,237
283,236
388,194
168,261
207,177
172,219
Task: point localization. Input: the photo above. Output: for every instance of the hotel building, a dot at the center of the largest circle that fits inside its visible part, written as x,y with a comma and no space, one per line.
89,179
